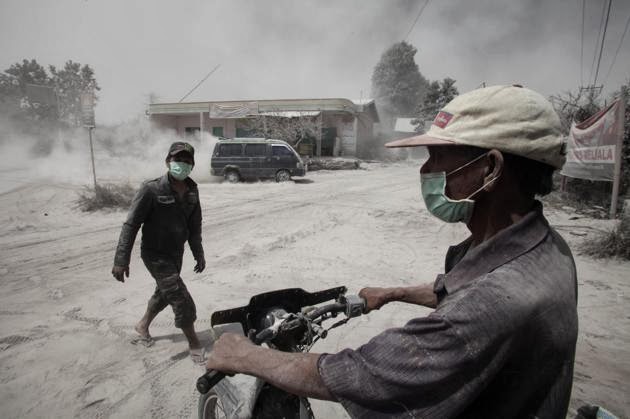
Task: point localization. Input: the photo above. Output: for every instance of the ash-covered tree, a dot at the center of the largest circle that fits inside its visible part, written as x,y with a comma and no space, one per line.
397,84
70,82
29,72
28,90
17,86
9,94
576,107
293,130
438,95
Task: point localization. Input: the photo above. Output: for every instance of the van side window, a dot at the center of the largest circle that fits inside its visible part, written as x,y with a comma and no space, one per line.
255,150
280,150
230,150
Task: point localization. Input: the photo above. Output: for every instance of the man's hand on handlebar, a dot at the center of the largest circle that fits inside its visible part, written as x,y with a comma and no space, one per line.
376,298
229,353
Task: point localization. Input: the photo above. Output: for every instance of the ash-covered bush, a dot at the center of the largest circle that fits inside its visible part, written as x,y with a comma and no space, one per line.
614,243
106,196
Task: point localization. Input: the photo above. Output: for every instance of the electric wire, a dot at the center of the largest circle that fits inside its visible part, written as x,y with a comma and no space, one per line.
601,49
199,84
582,46
416,21
599,33
618,49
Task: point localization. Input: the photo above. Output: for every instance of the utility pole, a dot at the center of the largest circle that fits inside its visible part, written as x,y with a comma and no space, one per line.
87,116
92,155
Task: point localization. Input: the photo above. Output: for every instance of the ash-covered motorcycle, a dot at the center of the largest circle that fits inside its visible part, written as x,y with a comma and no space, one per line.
288,320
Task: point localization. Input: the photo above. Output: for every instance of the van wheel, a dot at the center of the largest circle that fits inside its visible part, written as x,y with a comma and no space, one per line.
283,176
232,176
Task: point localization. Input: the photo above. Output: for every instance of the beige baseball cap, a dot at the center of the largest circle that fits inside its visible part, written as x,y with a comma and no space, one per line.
512,119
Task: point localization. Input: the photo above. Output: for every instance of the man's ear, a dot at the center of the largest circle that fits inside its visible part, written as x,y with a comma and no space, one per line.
496,165
167,161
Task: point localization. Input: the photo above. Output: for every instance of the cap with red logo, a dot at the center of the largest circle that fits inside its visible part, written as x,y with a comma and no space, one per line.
512,119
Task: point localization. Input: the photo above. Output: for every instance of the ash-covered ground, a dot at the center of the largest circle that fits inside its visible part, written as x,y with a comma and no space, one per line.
66,324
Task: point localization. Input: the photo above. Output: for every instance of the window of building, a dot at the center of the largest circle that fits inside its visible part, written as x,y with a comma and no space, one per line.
217,131
230,149
191,131
254,150
244,132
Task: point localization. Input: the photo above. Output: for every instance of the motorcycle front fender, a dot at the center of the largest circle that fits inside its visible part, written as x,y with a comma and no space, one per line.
238,395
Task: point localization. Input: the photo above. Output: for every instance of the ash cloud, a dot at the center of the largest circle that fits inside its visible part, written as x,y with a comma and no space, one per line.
288,49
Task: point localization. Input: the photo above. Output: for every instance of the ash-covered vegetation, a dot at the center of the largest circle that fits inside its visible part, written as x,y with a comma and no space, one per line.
106,196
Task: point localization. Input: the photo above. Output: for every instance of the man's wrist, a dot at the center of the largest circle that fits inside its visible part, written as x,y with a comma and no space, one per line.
248,362
397,294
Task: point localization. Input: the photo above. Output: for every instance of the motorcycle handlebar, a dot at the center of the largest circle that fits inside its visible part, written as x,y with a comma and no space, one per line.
209,380
352,306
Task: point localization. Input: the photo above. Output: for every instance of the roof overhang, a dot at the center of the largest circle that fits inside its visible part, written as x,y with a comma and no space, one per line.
291,114
281,107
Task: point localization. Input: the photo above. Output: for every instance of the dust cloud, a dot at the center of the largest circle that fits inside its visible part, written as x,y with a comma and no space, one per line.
129,152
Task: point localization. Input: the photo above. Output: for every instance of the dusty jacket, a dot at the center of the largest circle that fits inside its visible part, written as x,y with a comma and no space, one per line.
167,222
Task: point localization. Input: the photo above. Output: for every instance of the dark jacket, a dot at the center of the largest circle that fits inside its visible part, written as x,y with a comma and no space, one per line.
167,222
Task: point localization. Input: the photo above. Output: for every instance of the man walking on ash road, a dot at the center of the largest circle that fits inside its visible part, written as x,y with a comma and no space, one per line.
501,340
169,212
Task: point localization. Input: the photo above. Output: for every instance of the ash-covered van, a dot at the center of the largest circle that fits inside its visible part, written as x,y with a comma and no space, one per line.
240,158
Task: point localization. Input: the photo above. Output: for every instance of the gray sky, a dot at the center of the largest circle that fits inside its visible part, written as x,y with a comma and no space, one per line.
297,48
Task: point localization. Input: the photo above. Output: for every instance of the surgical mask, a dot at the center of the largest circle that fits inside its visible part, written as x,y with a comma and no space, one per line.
179,170
433,187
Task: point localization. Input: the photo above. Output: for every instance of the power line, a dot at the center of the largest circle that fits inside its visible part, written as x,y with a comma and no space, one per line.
416,21
582,47
199,84
599,33
618,49
601,49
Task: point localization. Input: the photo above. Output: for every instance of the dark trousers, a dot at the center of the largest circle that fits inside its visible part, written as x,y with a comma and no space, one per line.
170,290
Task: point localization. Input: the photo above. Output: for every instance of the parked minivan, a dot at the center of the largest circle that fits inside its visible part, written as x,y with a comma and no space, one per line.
239,158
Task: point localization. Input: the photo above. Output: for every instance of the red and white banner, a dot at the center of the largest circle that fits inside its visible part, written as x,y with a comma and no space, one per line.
593,145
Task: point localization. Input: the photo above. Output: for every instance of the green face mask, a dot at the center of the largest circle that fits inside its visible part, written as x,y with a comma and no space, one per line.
433,186
446,209
179,170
